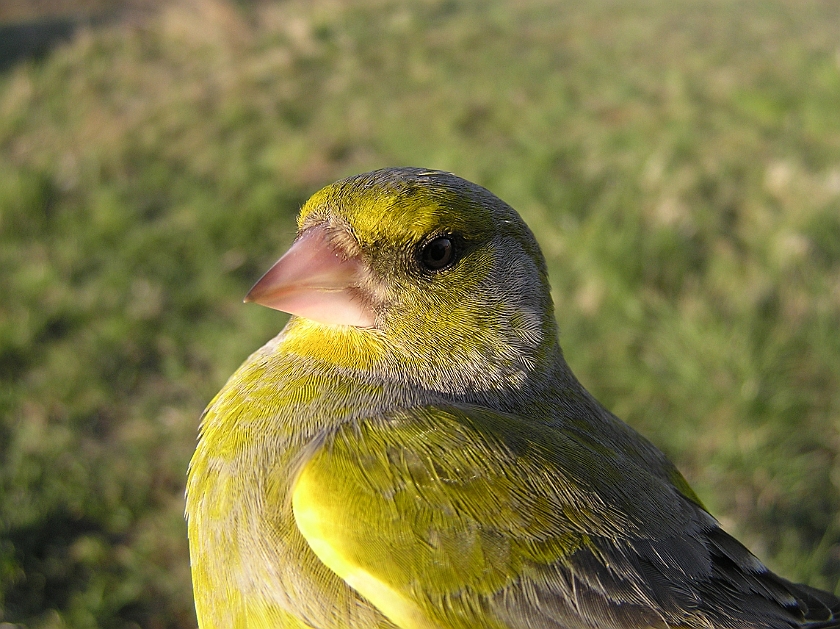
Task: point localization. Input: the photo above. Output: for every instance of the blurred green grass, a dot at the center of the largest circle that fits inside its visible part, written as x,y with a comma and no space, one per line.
678,161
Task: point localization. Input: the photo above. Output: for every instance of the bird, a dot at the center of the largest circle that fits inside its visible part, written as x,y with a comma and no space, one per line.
413,451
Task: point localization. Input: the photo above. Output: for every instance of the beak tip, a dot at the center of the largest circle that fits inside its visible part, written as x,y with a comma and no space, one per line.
254,294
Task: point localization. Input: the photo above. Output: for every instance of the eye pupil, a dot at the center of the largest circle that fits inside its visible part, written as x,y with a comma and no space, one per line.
438,253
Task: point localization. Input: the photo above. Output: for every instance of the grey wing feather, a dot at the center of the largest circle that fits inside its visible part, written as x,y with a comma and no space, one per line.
705,579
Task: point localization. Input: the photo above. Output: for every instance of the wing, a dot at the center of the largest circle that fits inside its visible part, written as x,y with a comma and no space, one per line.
458,517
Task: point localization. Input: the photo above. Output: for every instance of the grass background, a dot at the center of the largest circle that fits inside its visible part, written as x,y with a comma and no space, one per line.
679,161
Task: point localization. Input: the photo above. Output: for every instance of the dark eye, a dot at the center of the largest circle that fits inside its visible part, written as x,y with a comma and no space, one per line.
438,254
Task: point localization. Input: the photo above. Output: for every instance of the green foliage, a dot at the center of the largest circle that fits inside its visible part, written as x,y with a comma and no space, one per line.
678,161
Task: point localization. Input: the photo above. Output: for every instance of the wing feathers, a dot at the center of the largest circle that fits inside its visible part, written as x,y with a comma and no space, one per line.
442,521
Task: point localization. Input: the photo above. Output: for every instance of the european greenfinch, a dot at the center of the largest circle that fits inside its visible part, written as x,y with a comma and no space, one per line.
413,451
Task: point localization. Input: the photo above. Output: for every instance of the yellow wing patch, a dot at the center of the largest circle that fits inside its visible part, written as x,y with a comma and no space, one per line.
315,522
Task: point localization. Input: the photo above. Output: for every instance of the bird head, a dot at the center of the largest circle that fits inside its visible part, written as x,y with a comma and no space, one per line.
439,273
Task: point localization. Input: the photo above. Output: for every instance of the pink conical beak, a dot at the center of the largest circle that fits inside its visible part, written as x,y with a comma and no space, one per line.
316,280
